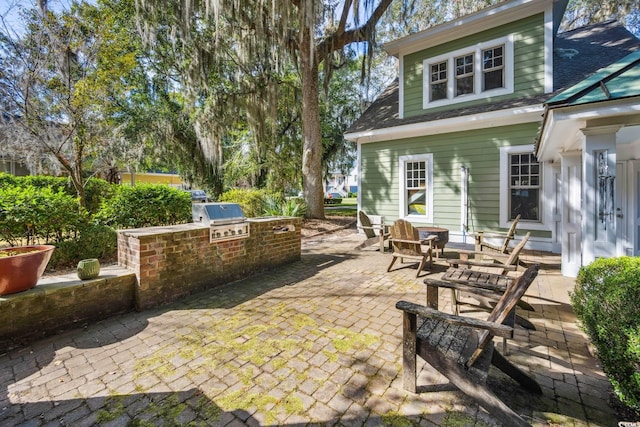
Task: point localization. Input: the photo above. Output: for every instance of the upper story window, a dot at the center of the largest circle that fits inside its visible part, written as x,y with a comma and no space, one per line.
464,75
416,187
483,70
438,88
493,68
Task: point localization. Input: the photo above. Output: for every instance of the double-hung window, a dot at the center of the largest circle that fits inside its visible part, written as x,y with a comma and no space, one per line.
482,70
522,188
493,68
416,187
464,74
438,84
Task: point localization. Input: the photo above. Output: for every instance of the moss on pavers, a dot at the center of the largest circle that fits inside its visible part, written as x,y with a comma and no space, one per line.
235,349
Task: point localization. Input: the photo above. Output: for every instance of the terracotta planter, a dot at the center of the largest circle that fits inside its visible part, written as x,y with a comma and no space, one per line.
22,271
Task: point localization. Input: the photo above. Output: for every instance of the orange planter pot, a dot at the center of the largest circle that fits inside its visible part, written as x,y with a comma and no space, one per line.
22,271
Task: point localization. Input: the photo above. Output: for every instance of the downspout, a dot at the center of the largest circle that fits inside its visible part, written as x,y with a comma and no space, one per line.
464,201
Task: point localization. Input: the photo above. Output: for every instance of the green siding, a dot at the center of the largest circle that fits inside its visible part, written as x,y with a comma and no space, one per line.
479,150
528,64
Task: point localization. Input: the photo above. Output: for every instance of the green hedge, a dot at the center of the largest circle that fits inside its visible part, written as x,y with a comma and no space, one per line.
37,209
96,190
606,299
29,215
146,205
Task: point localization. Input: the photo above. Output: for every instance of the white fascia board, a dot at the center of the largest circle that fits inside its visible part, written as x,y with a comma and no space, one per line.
506,117
485,19
563,124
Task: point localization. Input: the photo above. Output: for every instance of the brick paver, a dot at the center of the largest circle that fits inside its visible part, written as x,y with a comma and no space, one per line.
317,342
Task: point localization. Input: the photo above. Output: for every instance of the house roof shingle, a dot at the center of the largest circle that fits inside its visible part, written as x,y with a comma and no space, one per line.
577,54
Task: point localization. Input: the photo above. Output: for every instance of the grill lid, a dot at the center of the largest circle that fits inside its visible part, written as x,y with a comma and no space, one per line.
217,213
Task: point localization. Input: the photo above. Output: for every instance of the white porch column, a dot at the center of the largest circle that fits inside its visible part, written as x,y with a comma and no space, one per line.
571,236
599,175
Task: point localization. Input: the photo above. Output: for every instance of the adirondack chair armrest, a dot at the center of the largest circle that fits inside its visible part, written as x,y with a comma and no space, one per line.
376,228
421,310
485,289
420,242
497,257
458,262
500,234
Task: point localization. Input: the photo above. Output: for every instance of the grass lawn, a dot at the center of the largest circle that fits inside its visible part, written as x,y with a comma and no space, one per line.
346,208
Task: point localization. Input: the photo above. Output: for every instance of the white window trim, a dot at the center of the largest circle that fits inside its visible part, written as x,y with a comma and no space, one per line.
428,159
546,193
478,73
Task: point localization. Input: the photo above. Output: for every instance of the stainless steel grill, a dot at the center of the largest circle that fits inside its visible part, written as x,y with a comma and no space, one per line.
226,221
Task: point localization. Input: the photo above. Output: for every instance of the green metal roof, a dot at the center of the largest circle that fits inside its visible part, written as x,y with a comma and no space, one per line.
619,80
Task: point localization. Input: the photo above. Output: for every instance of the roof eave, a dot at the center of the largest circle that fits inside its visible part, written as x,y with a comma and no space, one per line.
505,117
502,13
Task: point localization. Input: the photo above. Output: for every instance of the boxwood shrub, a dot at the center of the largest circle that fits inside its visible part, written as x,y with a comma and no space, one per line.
29,215
145,205
606,299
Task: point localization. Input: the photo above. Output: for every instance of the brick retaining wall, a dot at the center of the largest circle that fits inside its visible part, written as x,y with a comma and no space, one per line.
59,303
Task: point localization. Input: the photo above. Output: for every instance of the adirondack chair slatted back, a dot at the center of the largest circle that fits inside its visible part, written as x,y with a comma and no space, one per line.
510,235
515,253
367,227
504,306
403,230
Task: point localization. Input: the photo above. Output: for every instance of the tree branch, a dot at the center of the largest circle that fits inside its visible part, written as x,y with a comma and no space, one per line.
341,38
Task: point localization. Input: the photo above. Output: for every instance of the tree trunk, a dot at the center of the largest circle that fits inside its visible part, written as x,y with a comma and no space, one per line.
311,132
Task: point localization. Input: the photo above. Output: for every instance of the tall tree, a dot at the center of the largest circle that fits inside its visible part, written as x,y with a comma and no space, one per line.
260,38
60,82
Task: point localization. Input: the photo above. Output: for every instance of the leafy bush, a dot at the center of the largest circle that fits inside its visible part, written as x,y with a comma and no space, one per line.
605,299
93,241
96,190
288,207
146,205
29,214
252,201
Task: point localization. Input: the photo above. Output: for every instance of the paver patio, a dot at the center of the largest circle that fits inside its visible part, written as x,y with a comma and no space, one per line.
317,342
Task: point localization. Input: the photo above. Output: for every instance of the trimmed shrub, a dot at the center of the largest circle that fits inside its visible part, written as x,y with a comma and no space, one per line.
29,214
96,190
252,201
146,205
606,301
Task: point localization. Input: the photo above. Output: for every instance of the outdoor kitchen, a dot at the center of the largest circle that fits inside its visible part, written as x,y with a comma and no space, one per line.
220,246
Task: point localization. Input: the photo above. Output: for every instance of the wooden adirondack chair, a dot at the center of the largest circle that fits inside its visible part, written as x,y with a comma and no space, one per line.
462,348
482,245
488,287
374,229
406,243
499,262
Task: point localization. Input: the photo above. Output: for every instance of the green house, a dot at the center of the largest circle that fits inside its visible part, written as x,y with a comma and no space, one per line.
472,133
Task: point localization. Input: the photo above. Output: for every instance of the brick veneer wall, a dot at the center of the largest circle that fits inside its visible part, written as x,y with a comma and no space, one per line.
175,261
49,308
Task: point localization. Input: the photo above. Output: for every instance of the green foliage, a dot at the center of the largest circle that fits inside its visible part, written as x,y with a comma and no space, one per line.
93,241
29,214
289,207
605,299
252,201
96,190
146,205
